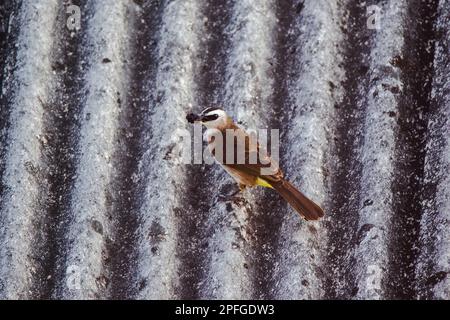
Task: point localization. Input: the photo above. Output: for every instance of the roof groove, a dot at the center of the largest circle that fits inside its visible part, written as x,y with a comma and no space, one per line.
145,19
97,202
24,190
160,168
309,113
60,124
86,258
413,113
245,95
433,266
345,166
377,152
270,206
199,198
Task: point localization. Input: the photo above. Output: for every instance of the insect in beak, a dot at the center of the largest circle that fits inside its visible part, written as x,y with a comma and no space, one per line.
192,117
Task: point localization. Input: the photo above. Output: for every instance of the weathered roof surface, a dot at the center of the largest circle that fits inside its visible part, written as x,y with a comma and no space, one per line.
96,202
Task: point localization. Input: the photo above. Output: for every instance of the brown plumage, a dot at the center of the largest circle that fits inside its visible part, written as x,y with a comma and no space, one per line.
249,174
304,206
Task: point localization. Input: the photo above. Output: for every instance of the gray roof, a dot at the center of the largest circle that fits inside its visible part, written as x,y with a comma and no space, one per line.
96,203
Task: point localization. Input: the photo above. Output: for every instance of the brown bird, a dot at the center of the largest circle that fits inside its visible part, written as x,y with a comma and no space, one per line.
241,164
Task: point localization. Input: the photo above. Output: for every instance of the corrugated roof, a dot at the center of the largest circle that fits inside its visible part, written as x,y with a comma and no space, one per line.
96,203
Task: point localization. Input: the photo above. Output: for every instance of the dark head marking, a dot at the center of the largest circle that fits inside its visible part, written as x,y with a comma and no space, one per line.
192,117
209,117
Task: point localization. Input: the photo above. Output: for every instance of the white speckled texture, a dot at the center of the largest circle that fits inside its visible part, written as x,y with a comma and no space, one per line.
302,245
434,260
246,92
377,153
89,225
20,207
161,170
96,201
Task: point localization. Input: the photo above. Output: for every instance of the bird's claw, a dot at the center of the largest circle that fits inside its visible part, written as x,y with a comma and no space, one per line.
235,196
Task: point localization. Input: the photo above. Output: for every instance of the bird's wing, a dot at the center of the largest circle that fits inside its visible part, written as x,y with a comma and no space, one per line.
252,151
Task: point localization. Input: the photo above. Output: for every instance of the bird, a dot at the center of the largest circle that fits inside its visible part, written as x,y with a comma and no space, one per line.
245,172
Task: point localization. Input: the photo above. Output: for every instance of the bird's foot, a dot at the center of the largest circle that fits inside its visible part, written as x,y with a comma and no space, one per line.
235,196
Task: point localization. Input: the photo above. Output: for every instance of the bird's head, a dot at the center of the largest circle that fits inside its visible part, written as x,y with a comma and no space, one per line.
212,118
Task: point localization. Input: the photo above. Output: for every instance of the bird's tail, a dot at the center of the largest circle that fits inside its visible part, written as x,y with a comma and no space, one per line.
304,206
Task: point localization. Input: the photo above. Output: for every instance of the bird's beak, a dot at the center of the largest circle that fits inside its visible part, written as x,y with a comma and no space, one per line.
192,117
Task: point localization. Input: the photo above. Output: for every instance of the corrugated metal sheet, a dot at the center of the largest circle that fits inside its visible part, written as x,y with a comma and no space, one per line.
96,203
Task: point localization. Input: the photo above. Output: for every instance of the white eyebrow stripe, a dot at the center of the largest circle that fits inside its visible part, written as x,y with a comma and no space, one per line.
210,109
